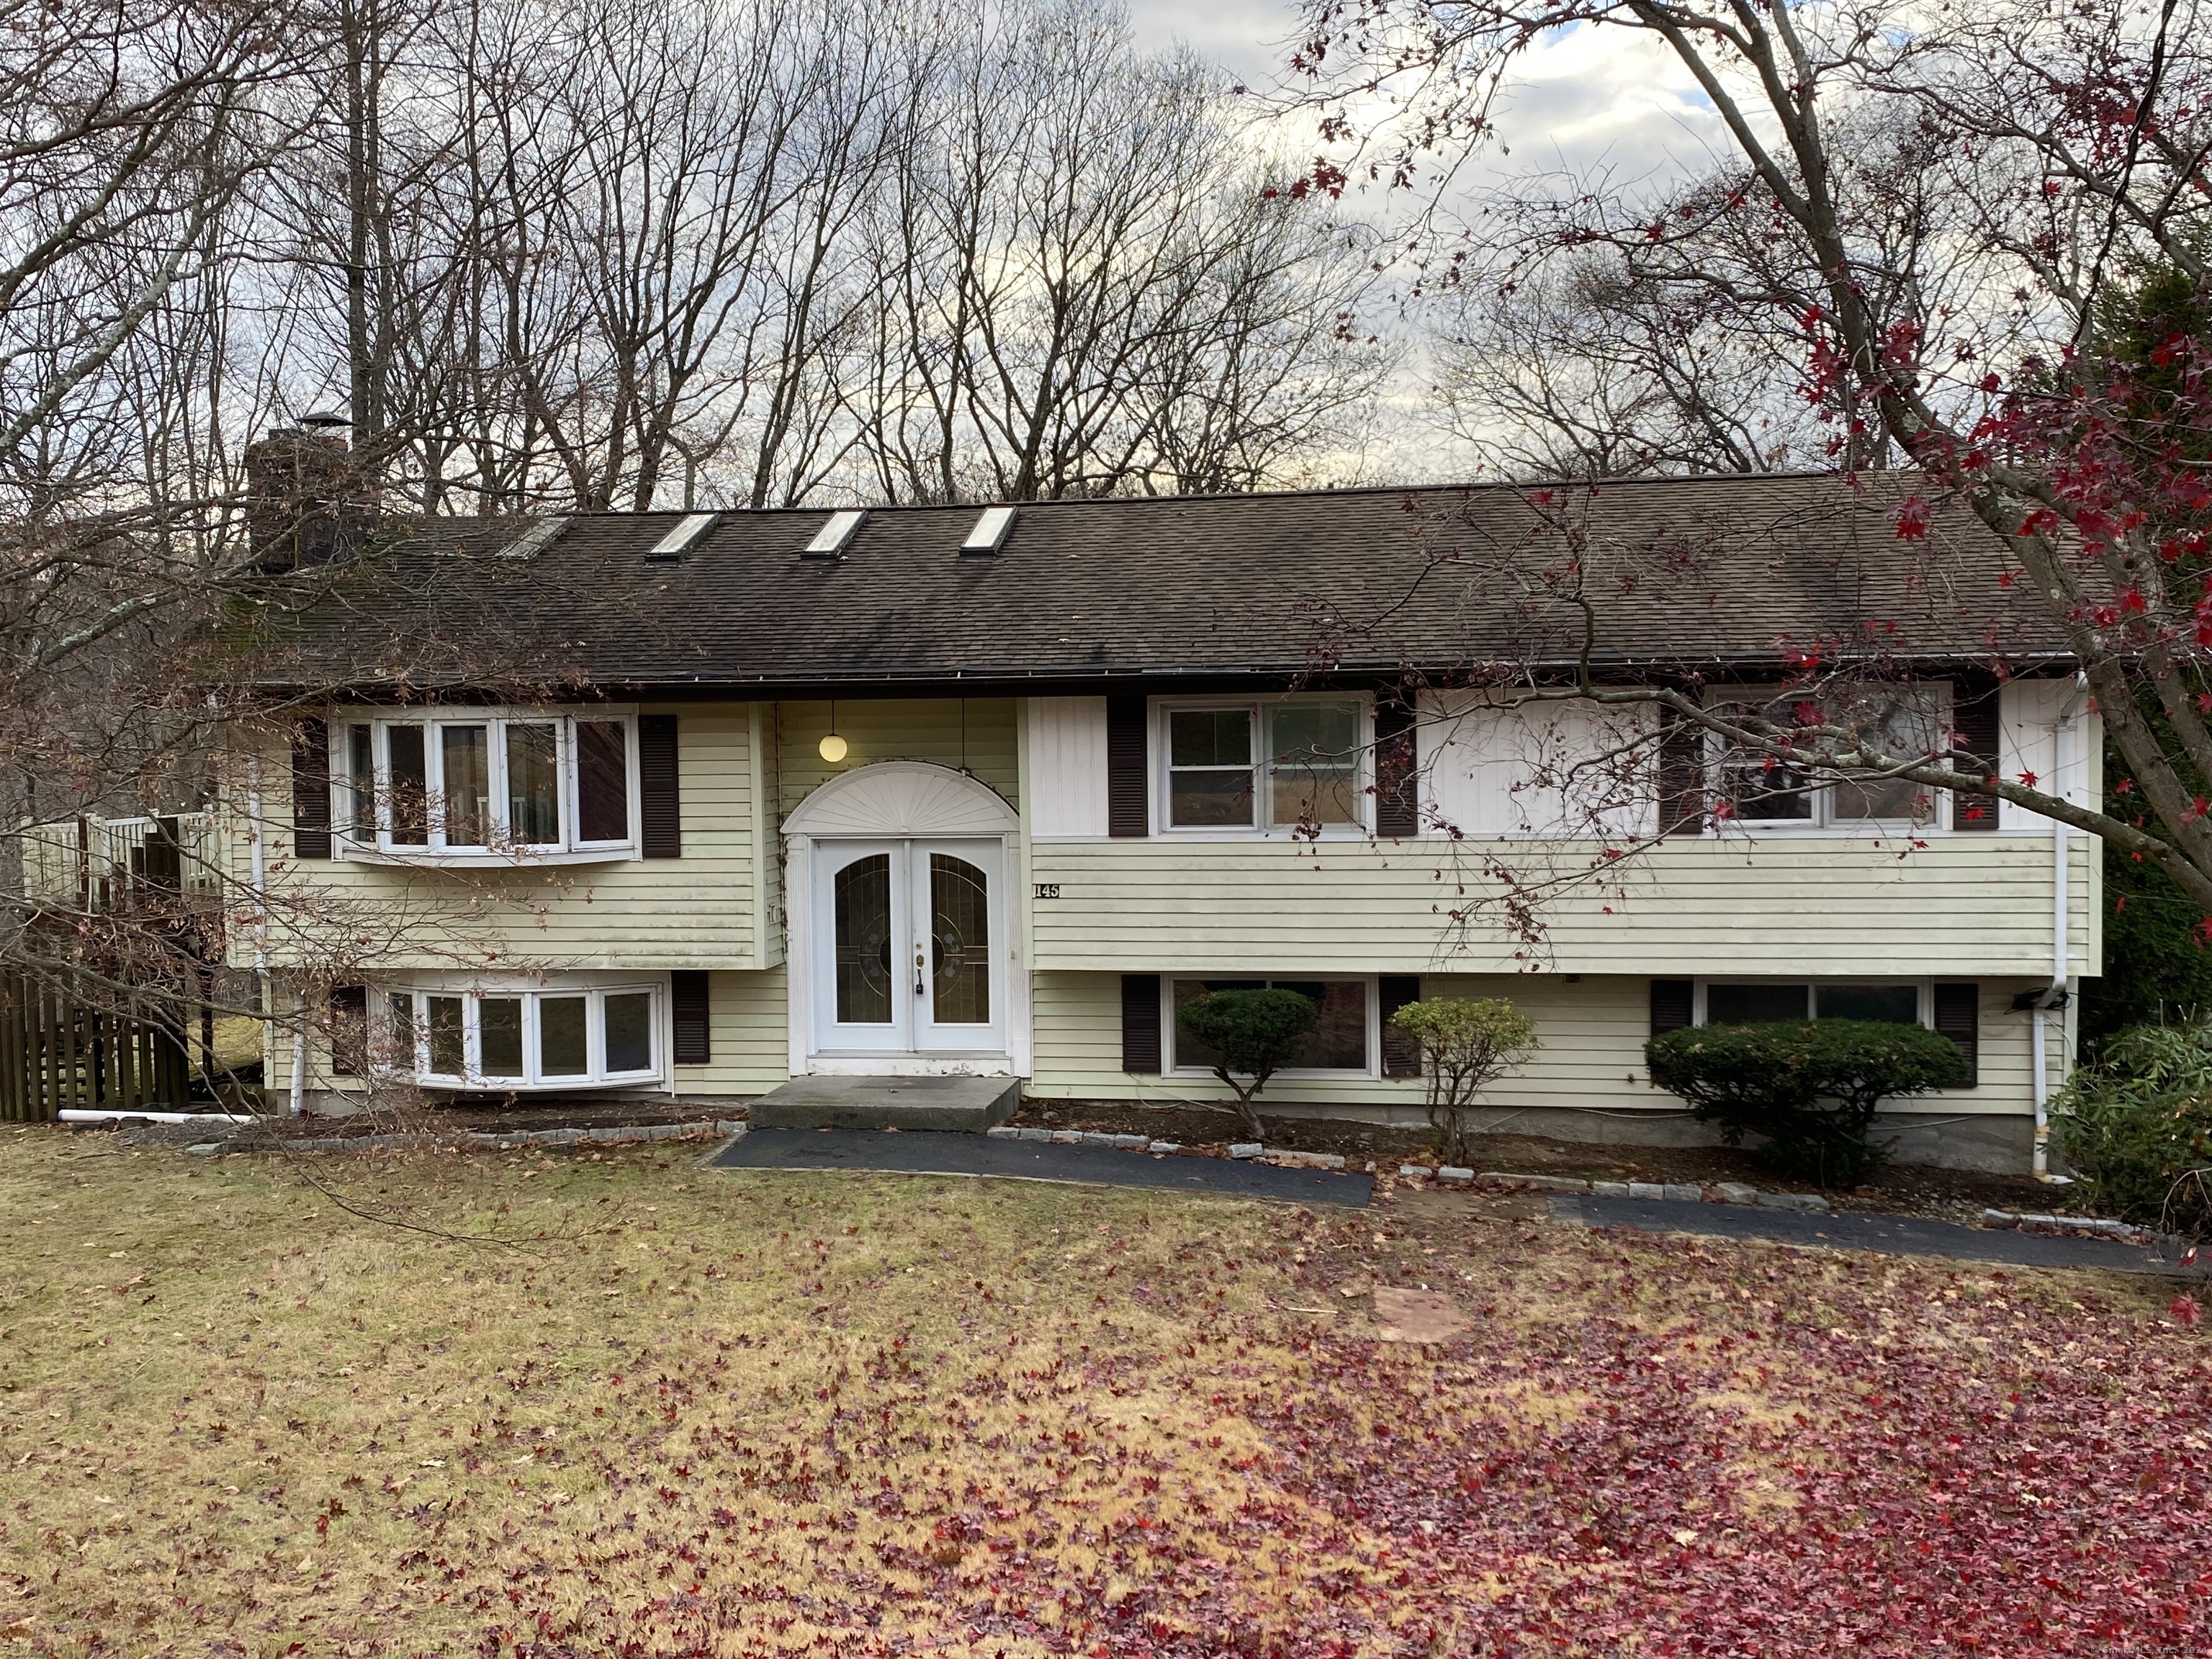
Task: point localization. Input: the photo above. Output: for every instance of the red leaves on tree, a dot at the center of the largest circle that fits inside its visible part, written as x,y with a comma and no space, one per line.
1912,518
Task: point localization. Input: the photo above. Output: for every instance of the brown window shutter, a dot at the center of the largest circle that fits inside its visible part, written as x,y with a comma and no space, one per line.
661,799
1674,1004
1401,1053
1397,781
349,1031
1975,747
1958,1017
687,996
311,790
1127,763
1140,1023
1681,777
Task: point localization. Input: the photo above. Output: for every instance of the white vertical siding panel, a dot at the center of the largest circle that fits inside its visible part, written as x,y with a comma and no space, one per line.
2028,744
1067,766
2027,728
1540,768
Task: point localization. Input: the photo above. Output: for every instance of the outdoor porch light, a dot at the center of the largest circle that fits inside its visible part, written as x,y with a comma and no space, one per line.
832,746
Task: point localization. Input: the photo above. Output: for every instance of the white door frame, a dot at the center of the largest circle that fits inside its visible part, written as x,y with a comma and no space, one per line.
896,1036
910,801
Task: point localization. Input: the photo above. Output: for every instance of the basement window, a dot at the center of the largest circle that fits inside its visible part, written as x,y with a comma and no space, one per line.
1766,1001
532,1038
488,785
1340,1043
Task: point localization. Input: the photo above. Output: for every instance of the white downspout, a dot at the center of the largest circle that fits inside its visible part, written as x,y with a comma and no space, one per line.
2059,993
259,881
299,1056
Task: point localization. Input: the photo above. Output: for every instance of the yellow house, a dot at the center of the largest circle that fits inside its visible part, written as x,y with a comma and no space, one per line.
694,805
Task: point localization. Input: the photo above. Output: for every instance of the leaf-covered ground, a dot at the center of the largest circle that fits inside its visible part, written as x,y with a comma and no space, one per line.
771,1413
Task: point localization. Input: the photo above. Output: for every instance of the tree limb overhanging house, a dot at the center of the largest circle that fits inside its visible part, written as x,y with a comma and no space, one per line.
989,790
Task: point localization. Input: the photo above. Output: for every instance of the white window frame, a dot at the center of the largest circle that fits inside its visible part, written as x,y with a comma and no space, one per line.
1823,821
1162,767
473,993
567,849
1923,988
1371,1072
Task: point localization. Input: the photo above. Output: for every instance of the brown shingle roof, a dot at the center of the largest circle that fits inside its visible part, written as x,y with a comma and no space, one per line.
1680,571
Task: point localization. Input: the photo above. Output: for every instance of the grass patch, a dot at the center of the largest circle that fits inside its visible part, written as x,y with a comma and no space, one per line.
756,1412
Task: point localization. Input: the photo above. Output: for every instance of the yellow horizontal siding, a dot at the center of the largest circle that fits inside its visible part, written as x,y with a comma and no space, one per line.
1592,1033
977,732
747,1020
1966,905
695,911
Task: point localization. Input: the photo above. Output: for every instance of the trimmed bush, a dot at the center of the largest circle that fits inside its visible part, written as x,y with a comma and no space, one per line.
1465,1046
1809,1088
1256,1033
2137,1129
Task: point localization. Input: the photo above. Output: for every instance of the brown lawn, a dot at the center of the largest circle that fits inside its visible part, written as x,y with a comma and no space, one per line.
642,1408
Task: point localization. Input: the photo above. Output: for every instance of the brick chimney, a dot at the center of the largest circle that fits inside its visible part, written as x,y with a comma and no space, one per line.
307,502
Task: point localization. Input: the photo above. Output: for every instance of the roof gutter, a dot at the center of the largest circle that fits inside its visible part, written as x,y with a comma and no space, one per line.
1015,682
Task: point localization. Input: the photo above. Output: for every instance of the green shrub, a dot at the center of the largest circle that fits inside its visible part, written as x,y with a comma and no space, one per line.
1256,1033
1810,1088
1465,1046
2136,1128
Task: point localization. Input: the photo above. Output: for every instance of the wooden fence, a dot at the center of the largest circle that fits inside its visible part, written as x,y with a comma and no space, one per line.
56,1054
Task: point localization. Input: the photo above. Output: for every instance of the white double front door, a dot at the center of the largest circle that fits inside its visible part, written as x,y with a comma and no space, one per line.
908,940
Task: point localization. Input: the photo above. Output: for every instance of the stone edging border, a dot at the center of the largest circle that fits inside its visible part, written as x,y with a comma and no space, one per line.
1725,1192
2126,1230
1720,1192
1242,1151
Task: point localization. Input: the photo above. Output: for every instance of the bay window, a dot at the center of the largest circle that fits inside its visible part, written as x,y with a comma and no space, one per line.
486,786
1905,721
540,1037
1298,763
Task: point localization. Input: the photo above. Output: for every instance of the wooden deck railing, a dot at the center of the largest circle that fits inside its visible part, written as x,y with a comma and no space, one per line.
108,865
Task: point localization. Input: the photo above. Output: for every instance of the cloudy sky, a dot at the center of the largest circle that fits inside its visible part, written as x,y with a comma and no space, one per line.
1588,98
1586,101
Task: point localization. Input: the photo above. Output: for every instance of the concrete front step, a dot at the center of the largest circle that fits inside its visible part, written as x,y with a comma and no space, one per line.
969,1103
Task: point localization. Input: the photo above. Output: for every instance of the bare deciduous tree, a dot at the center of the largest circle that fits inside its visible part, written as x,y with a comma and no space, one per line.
1945,286
1089,289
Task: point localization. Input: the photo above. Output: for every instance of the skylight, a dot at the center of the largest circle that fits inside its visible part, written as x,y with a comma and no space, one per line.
990,531
535,540
836,535
679,541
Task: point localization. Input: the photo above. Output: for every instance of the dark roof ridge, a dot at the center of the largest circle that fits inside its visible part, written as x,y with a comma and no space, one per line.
1467,487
